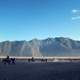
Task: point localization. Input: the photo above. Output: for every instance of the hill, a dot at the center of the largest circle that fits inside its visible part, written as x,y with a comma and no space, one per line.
58,46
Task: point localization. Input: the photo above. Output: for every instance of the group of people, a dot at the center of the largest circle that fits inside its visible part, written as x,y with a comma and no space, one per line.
8,60
33,60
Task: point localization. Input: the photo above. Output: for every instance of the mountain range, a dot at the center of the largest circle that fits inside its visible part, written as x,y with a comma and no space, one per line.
58,46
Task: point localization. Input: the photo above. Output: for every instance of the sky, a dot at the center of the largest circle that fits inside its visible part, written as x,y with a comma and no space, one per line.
29,19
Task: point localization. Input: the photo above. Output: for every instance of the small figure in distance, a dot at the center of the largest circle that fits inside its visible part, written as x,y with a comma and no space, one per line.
32,59
6,60
28,60
13,60
7,57
46,60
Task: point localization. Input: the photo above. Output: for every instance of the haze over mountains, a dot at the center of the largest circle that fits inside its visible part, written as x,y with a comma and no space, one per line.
58,46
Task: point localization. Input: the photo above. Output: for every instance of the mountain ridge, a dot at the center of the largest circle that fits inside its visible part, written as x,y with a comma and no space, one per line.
59,46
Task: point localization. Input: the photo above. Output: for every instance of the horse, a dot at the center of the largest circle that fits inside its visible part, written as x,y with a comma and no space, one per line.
43,60
31,60
13,60
8,61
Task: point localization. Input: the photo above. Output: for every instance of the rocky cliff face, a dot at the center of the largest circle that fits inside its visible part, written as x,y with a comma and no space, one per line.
49,47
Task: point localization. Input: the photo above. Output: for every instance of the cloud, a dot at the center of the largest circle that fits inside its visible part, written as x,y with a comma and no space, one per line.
75,11
76,14
76,18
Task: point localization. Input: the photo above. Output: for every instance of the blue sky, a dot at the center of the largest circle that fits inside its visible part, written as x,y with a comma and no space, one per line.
28,19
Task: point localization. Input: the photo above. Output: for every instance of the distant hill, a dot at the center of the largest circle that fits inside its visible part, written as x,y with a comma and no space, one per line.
58,46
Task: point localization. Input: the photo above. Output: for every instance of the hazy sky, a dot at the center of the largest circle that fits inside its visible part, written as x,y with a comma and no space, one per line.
28,19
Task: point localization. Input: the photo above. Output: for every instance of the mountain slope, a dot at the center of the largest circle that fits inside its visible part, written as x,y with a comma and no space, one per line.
59,46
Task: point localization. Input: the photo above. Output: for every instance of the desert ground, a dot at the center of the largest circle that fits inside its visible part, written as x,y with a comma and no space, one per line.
40,71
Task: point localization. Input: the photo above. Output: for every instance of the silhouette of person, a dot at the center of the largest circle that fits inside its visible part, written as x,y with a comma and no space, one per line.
7,57
13,60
